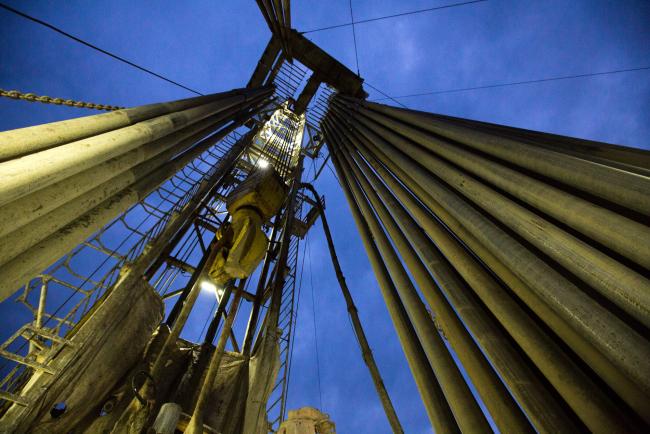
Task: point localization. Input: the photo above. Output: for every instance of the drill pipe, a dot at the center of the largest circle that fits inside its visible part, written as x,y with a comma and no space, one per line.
628,190
18,213
27,264
195,425
626,352
28,235
620,284
24,141
544,413
21,176
433,399
625,158
366,352
627,237
589,402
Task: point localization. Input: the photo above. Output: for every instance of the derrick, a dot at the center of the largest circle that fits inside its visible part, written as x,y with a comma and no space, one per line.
513,263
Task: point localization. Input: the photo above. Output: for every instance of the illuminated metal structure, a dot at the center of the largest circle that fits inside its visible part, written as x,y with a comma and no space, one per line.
531,252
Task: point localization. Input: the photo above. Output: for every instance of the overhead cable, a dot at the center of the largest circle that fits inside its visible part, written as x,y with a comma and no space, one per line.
386,17
514,83
385,94
94,47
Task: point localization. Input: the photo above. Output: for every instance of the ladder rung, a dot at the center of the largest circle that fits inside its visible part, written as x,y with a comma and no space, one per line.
23,361
278,384
13,398
274,404
47,335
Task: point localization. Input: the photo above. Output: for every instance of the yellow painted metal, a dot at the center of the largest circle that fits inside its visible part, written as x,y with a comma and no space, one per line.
255,200
264,190
245,247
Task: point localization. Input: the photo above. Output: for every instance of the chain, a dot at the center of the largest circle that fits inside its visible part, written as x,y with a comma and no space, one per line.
58,101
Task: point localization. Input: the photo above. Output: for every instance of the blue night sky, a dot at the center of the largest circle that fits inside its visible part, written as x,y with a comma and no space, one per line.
214,46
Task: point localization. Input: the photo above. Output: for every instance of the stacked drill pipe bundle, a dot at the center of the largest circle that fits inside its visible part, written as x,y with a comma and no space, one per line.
434,402
464,407
522,383
366,352
69,178
24,141
630,159
534,260
642,233
277,14
39,214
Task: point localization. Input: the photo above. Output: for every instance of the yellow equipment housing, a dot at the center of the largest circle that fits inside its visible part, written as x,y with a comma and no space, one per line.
264,190
250,205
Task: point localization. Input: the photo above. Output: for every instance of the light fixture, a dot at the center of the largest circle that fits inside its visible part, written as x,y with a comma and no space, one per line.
262,163
208,286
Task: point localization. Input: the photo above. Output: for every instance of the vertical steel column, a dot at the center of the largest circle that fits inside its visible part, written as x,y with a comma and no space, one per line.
273,312
216,319
259,293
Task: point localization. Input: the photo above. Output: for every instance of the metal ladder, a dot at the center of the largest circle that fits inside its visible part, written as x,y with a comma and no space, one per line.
39,349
